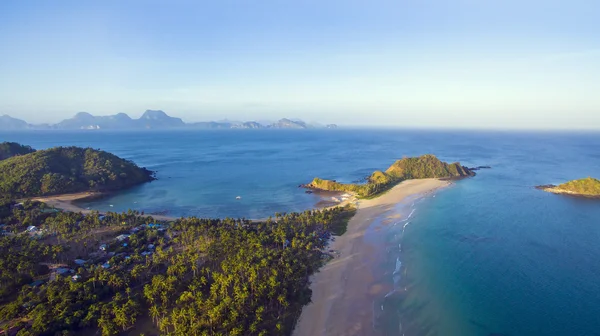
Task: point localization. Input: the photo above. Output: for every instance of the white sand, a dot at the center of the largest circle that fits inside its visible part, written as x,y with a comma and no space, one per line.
341,291
65,202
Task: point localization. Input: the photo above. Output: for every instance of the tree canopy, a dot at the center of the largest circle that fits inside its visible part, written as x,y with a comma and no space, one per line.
10,149
67,170
121,272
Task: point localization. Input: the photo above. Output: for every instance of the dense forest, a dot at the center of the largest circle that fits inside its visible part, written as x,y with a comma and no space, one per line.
10,149
66,170
66,273
425,166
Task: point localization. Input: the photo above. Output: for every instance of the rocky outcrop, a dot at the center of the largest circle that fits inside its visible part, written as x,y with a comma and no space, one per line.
479,167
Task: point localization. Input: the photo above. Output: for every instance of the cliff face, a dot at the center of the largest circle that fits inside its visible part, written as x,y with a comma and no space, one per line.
426,166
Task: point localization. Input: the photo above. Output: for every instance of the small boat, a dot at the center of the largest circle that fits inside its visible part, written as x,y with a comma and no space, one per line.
111,205
238,197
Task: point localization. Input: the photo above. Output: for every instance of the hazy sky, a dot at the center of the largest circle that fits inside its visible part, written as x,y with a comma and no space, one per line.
425,63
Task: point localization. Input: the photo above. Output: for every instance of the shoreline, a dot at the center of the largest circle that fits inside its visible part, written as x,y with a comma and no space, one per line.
558,191
344,289
67,202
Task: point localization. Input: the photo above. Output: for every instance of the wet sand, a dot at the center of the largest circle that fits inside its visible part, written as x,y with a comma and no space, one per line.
66,202
344,289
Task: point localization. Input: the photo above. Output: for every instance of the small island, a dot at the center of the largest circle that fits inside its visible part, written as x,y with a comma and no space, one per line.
64,170
586,187
425,166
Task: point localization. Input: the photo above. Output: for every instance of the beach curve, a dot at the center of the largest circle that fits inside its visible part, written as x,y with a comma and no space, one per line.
342,295
65,202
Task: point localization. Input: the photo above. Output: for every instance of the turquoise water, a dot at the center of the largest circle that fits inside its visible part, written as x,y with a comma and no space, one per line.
488,256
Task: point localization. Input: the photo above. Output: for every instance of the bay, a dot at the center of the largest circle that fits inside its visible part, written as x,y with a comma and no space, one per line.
489,255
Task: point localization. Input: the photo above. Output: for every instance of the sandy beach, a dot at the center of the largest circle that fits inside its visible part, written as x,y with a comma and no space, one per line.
66,202
344,289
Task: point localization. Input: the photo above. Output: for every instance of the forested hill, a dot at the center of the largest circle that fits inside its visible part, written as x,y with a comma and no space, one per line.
425,166
588,187
62,170
10,149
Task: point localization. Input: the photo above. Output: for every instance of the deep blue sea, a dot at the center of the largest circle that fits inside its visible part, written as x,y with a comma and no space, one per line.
490,255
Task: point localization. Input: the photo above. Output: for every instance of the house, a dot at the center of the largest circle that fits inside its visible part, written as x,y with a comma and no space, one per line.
103,247
63,271
80,262
146,253
124,244
106,265
101,217
122,237
150,246
76,277
31,228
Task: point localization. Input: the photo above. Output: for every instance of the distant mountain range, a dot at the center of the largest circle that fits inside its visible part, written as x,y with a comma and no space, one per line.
151,119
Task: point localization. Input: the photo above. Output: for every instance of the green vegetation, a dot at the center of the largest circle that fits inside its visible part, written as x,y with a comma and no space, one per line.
189,277
426,166
587,187
62,170
10,149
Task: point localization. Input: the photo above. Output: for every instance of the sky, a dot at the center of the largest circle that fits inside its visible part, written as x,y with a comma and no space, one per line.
404,63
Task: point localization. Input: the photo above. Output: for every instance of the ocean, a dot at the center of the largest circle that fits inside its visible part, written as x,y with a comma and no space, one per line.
489,255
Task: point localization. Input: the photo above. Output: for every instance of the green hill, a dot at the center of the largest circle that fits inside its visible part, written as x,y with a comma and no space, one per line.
10,149
586,186
62,170
425,166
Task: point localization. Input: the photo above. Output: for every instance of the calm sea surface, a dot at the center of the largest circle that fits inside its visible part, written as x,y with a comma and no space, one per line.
487,256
